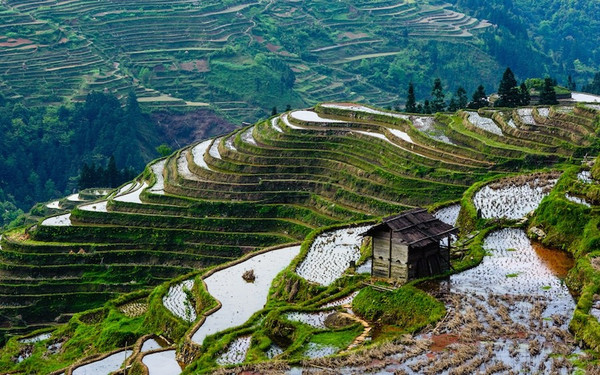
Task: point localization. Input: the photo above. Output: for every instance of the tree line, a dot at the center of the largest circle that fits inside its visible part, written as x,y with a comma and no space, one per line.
93,175
510,94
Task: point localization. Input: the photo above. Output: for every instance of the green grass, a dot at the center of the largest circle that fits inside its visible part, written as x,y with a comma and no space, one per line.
338,339
407,308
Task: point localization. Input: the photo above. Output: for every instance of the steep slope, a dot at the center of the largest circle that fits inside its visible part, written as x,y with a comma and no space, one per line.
269,184
240,57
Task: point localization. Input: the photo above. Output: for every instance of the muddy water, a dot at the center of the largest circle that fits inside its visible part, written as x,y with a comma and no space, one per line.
557,261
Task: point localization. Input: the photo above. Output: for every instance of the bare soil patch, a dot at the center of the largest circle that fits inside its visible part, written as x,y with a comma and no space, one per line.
352,36
12,42
190,126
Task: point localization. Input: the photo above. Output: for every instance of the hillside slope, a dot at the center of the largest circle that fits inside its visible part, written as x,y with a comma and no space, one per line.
269,184
261,187
243,58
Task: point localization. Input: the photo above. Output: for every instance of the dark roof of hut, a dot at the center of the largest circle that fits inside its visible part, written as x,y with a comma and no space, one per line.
417,228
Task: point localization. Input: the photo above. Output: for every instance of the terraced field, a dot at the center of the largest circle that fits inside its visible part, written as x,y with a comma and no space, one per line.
179,53
267,185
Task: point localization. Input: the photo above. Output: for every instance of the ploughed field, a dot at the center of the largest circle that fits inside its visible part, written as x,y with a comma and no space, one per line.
270,185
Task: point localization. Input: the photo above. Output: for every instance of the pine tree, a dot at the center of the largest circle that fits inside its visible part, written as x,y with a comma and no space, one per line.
112,173
453,106
273,111
525,98
84,177
508,92
548,95
411,103
571,85
461,97
479,99
426,107
437,104
594,87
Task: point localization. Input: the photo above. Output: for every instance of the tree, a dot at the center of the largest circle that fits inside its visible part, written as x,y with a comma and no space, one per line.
459,100
479,99
437,104
112,173
548,95
524,96
461,97
453,106
164,150
571,85
508,92
426,107
273,111
594,87
411,103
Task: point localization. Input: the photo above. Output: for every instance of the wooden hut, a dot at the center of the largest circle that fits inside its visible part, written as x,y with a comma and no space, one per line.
410,245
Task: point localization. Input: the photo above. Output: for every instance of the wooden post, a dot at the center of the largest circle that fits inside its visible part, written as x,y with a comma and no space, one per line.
390,258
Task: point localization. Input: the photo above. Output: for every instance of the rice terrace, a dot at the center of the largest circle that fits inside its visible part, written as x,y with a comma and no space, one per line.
147,278
246,188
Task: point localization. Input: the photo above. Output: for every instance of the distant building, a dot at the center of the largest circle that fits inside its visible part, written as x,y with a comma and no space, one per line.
410,246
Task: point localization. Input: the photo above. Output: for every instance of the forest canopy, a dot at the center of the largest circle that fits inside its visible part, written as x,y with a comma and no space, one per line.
43,149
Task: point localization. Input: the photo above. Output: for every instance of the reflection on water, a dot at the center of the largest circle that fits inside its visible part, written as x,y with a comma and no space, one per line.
557,261
510,314
239,298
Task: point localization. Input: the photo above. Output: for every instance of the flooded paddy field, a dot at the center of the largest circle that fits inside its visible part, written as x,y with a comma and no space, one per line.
508,315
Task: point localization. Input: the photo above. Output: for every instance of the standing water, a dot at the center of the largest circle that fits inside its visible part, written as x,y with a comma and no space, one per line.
162,363
104,366
510,314
241,299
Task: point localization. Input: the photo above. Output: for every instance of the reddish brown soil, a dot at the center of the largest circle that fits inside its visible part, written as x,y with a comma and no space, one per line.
182,128
559,262
196,65
272,47
440,342
352,36
259,39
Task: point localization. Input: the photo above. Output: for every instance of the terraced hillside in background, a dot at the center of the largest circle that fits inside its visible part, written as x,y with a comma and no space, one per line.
240,57
265,185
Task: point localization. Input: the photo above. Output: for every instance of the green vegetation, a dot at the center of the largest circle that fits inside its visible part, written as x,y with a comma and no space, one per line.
274,183
535,29
574,227
243,59
510,94
408,308
48,151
